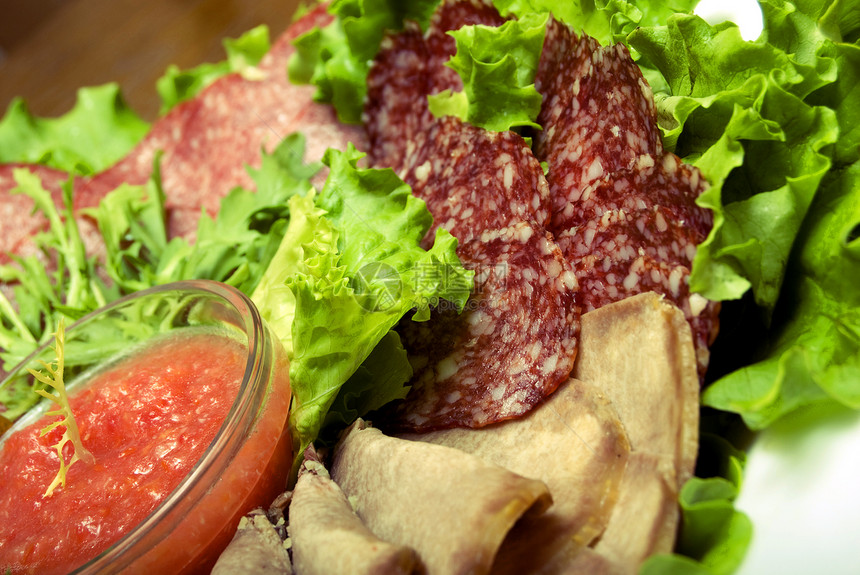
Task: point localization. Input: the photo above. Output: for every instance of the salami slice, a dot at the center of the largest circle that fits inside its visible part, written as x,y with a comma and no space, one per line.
395,110
598,112
649,210
18,222
512,346
409,67
637,231
624,214
207,143
474,180
516,342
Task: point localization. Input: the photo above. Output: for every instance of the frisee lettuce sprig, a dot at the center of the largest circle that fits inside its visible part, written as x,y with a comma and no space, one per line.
55,390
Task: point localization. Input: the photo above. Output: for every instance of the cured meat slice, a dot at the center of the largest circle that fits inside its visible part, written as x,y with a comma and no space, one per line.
255,548
395,110
328,538
517,340
18,224
475,180
598,112
405,490
637,231
512,346
640,353
624,213
409,67
208,142
573,442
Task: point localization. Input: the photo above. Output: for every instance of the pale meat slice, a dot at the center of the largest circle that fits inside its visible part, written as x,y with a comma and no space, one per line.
640,353
453,508
645,518
327,536
575,444
256,549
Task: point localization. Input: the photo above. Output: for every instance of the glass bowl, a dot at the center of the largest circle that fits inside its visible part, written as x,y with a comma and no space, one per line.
172,351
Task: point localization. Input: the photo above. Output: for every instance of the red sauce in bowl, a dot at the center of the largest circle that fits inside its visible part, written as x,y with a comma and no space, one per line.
147,419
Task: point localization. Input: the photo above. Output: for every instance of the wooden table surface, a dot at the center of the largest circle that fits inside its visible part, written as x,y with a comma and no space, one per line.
50,48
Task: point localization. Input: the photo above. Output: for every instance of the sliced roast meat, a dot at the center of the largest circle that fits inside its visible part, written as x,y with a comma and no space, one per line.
640,353
408,492
573,442
256,549
328,538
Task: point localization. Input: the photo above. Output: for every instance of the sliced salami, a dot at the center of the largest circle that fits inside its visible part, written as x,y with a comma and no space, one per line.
18,220
395,110
474,180
598,112
649,210
516,342
624,213
409,67
512,346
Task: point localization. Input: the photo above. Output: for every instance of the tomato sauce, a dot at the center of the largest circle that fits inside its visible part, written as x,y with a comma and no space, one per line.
147,419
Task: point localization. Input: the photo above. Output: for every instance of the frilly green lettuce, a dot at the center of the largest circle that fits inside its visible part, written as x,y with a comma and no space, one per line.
95,134
352,263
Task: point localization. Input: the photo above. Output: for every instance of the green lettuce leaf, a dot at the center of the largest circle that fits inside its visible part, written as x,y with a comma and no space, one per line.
735,109
355,267
235,247
497,66
98,131
608,21
714,536
336,58
375,383
814,352
243,54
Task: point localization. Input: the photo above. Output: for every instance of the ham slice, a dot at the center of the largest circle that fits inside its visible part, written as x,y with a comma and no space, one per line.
206,143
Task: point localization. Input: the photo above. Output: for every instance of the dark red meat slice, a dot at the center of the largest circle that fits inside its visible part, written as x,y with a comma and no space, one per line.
636,231
475,180
209,141
516,342
598,112
409,67
18,224
511,347
395,110
652,207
